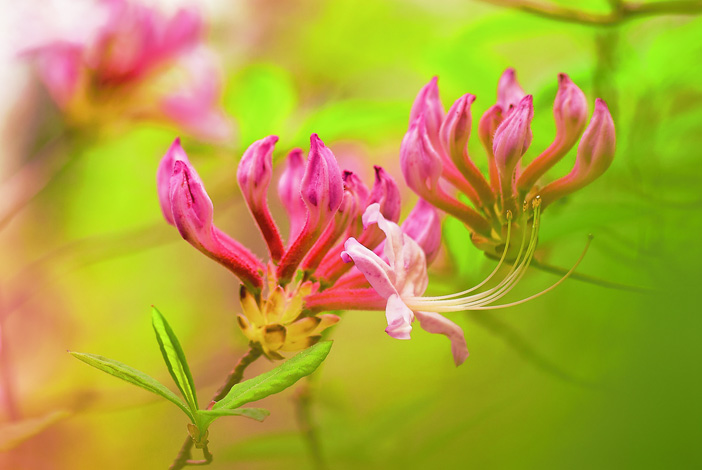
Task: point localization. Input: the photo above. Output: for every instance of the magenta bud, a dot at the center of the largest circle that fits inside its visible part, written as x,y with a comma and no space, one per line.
569,111
191,206
421,165
355,186
423,225
509,92
322,188
386,193
596,148
489,122
428,104
595,155
163,177
193,213
255,170
254,175
455,129
289,191
513,137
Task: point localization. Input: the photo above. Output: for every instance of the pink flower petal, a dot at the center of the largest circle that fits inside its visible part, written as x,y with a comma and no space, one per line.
399,318
438,324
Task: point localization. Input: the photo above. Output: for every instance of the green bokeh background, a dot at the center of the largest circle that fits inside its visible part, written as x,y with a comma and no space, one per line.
583,377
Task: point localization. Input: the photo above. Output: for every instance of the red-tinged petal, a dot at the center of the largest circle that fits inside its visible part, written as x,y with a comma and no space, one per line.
438,324
399,318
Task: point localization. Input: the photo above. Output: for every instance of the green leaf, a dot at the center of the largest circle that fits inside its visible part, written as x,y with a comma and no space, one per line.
259,414
276,380
175,358
132,376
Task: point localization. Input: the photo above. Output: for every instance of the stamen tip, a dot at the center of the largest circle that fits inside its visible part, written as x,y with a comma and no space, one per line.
509,215
590,236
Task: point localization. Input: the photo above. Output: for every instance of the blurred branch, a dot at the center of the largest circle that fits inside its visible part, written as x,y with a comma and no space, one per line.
517,342
183,459
621,11
32,178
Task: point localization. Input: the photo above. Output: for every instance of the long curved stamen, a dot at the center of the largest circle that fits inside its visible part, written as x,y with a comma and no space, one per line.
451,304
494,271
548,289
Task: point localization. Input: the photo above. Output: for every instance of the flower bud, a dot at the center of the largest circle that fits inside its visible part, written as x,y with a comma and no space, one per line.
596,148
428,104
511,141
569,111
254,175
570,114
423,225
386,193
489,122
455,129
455,132
421,165
509,92
255,170
354,185
163,177
595,154
289,191
321,188
193,216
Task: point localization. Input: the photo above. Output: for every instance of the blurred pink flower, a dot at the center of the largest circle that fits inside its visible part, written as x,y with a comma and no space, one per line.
135,62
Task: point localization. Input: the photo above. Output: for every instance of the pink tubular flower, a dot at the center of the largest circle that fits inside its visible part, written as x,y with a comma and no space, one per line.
436,172
137,64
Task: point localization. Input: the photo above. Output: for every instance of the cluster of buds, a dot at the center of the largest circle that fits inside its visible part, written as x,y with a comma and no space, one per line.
283,300
435,158
137,63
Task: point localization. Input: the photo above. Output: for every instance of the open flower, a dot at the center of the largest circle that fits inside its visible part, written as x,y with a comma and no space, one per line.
136,63
435,159
400,277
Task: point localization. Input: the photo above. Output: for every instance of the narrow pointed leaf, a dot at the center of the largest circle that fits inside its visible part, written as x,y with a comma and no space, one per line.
175,358
259,414
276,380
132,376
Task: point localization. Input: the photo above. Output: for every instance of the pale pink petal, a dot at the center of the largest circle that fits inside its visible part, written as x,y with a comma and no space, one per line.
399,318
438,324
376,271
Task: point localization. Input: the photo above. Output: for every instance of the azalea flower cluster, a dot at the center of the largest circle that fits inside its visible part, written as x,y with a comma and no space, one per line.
282,299
137,63
346,250
435,159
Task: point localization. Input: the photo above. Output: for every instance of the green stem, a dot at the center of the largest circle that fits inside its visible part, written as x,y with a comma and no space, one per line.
183,459
305,421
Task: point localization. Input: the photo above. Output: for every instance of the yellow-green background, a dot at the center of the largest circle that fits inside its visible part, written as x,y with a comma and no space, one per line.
583,377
